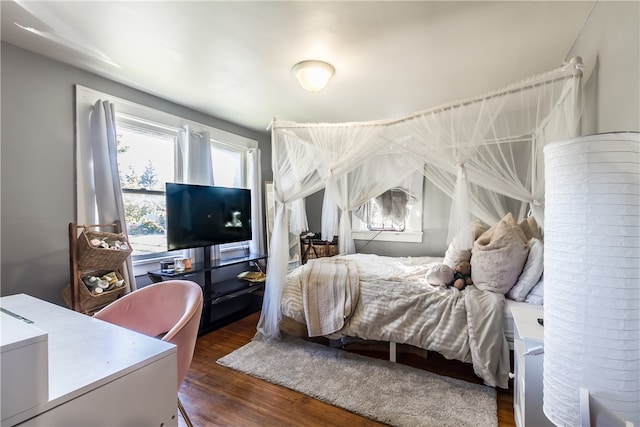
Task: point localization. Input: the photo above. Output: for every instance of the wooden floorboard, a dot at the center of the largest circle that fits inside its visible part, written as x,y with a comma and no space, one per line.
217,396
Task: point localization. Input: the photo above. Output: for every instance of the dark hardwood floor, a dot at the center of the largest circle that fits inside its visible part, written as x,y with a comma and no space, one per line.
217,396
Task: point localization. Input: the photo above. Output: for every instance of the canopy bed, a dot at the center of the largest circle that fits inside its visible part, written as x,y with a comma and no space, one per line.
485,153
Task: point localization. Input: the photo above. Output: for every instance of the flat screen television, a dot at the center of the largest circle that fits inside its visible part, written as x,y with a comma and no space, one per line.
202,216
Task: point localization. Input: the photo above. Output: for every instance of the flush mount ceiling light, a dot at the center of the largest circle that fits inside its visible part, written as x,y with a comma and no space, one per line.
313,75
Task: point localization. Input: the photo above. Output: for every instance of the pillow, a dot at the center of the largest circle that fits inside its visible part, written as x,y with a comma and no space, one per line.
498,256
439,275
530,273
536,295
533,226
524,226
454,255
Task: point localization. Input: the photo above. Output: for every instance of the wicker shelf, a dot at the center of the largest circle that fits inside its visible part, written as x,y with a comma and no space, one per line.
85,260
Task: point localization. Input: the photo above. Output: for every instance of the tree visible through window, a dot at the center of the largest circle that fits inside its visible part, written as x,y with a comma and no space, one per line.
146,163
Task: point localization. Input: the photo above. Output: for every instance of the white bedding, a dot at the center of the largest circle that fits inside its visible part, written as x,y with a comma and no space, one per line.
396,304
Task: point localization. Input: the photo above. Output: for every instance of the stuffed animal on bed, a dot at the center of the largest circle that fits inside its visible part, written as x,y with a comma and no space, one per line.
462,276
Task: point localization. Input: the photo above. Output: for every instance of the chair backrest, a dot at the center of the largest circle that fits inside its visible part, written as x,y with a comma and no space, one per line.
168,310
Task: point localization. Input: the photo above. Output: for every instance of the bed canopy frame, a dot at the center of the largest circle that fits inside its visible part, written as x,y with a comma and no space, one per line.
482,152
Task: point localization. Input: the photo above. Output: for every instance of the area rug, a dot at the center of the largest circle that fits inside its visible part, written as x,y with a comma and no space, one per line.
384,391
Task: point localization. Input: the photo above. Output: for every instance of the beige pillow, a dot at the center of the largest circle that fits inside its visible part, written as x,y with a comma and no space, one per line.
524,226
454,255
535,230
498,256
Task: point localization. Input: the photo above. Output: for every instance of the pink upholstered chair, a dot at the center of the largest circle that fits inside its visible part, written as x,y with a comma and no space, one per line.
168,310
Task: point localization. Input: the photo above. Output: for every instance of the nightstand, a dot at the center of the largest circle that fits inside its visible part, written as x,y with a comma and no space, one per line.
528,351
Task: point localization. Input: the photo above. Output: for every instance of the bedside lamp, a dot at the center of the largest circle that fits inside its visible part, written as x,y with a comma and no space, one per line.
592,276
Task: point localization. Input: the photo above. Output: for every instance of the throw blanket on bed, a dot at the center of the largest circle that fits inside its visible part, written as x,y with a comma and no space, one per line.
397,304
329,293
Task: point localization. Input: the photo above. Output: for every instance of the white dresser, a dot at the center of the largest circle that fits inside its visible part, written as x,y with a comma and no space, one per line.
528,354
99,374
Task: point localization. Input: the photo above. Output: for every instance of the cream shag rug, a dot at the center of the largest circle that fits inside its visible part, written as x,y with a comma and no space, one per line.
381,390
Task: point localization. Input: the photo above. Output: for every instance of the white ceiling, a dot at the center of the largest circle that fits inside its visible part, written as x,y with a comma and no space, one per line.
233,59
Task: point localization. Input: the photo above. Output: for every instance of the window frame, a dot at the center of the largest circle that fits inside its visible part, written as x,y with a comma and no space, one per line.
412,232
135,124
87,97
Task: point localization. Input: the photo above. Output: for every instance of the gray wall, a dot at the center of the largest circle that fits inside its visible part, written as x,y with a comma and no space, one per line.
610,48
37,175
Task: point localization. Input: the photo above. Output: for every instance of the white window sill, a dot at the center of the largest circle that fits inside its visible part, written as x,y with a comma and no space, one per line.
388,236
142,266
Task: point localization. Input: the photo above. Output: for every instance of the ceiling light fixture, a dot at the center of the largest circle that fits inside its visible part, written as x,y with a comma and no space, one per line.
313,75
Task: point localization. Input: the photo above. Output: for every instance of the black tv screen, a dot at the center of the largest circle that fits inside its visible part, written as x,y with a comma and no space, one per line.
200,215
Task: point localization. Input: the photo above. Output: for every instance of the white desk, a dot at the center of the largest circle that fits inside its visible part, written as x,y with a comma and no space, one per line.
99,374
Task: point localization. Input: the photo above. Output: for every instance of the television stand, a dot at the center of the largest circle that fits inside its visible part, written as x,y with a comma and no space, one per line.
226,298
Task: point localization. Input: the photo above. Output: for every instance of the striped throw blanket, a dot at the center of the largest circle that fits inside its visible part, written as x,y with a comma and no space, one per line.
329,294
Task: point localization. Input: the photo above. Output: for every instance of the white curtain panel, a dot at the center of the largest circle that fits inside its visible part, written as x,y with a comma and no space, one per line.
480,139
99,198
592,276
194,165
254,183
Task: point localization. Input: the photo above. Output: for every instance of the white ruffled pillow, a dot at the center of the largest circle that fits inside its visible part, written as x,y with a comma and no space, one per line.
536,295
498,256
454,255
439,275
531,272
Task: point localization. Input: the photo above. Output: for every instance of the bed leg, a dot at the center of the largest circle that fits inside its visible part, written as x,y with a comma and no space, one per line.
392,351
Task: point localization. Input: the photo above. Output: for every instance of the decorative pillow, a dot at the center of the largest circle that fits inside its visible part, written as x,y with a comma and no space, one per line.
536,295
535,230
524,226
498,256
530,273
454,255
439,275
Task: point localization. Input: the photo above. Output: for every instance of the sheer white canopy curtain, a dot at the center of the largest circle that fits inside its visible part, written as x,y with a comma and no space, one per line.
485,152
99,195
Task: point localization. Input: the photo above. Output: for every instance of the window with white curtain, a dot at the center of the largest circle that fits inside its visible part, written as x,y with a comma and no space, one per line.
146,161
148,154
388,211
394,215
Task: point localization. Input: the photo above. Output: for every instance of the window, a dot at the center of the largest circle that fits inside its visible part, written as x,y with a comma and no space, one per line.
146,158
395,215
388,211
146,161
